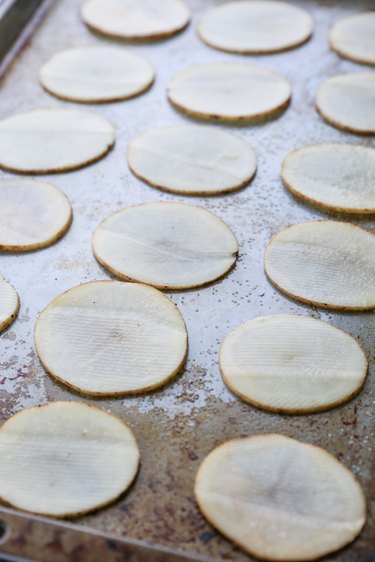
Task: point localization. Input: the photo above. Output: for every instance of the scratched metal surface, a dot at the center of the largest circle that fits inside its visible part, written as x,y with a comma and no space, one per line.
179,424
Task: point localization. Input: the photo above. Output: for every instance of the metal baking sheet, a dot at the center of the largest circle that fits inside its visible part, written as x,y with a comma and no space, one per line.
179,424
18,21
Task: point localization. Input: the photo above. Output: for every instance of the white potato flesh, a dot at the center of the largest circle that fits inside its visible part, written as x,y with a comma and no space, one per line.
337,176
65,458
136,19
326,263
292,364
192,160
232,91
32,214
353,37
9,303
280,499
53,140
109,337
96,74
348,102
167,245
250,26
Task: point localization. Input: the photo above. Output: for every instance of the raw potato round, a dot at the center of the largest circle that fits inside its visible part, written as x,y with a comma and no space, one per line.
136,19
280,499
53,140
229,91
65,458
108,337
32,214
253,27
348,102
353,37
9,303
167,245
340,177
326,263
96,74
192,160
292,364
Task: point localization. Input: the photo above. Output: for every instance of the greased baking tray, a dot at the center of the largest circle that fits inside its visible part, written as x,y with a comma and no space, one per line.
179,424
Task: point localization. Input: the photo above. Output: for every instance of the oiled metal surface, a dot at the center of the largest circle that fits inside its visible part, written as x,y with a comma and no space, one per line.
45,540
18,20
179,424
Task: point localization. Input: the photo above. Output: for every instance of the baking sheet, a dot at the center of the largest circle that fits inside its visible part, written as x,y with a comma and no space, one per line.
18,20
179,424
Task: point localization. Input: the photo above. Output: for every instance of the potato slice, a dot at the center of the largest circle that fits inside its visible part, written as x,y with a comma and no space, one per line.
53,140
192,160
340,177
167,245
9,303
353,37
280,499
326,263
292,364
253,27
229,91
96,74
136,19
348,101
108,338
65,458
33,215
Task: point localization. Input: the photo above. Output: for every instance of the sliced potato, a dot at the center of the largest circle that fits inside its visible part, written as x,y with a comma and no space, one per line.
229,91
340,177
33,215
353,37
136,19
280,499
292,364
96,74
108,338
255,27
192,160
167,245
53,140
9,303
347,102
65,458
326,263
